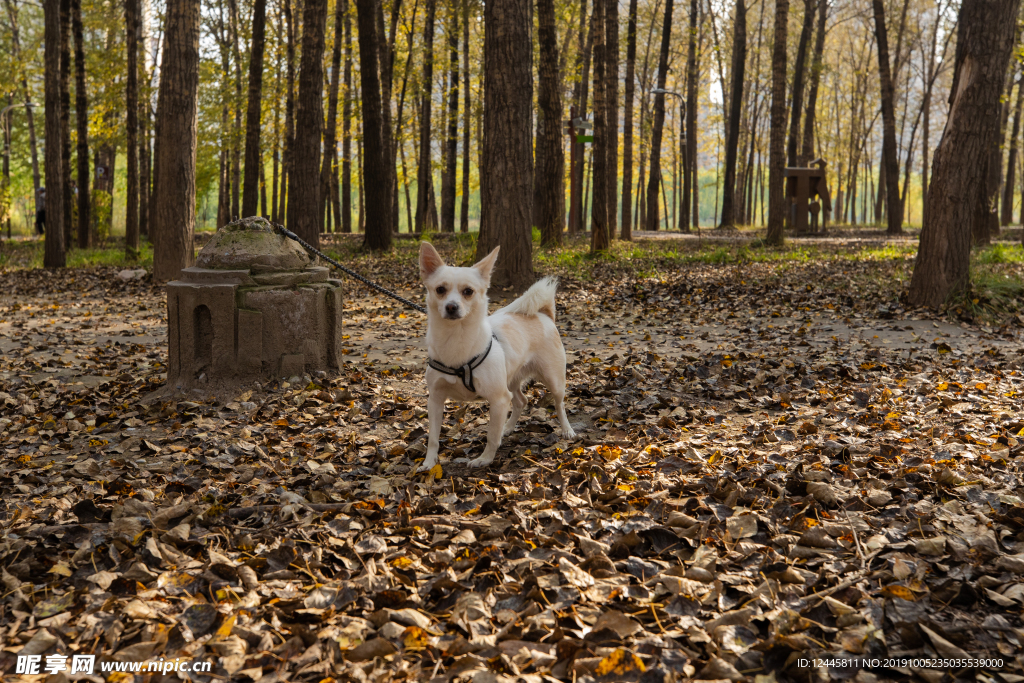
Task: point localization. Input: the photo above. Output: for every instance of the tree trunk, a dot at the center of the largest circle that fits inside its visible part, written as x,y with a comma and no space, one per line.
304,179
892,165
67,196
798,82
145,173
424,172
386,72
739,62
452,136
984,41
236,130
611,72
776,151
374,186
506,182
1011,164
346,134
691,199
53,256
548,187
289,110
602,137
466,120
131,226
174,206
586,40
81,125
253,158
807,148
327,170
654,179
625,231
995,165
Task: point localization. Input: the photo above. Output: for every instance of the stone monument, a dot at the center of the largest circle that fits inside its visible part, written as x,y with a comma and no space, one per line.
253,307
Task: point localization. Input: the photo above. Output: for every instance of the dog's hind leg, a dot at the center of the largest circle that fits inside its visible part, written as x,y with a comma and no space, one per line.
555,381
499,408
518,403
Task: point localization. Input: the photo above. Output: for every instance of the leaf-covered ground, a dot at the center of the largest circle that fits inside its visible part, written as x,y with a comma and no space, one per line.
778,463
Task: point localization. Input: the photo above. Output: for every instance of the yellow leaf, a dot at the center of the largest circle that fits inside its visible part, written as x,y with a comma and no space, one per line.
401,562
901,592
225,629
619,662
415,638
435,471
609,453
60,568
942,386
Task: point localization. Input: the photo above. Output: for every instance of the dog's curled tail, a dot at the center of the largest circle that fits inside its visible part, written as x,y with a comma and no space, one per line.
539,298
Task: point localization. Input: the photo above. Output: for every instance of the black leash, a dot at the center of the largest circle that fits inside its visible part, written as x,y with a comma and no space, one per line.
313,250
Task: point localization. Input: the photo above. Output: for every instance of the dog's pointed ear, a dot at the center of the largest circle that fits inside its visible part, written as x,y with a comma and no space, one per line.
486,265
430,260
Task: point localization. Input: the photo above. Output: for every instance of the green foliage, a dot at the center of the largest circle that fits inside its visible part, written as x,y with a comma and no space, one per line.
101,214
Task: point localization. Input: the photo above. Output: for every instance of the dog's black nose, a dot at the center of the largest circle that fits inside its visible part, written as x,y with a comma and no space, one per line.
451,309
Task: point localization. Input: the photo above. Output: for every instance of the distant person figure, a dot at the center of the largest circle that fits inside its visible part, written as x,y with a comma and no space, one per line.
815,209
41,210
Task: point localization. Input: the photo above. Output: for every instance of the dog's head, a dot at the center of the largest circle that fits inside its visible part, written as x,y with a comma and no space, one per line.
455,293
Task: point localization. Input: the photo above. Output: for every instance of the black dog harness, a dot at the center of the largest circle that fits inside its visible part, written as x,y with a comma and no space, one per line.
464,372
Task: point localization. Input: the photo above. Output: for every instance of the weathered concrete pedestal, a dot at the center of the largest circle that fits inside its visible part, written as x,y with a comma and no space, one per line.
251,308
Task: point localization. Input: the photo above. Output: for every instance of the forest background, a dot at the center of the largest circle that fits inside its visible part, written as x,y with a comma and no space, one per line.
832,52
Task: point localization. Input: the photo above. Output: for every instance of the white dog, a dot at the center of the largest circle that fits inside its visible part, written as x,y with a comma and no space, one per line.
476,356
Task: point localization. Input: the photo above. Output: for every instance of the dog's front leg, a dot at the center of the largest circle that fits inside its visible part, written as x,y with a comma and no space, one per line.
499,411
435,414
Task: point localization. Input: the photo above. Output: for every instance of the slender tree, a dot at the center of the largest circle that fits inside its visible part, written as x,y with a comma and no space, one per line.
131,225
174,205
289,109
254,108
625,231
424,170
506,172
466,120
602,133
374,185
67,196
12,17
346,133
53,255
690,194
807,147
81,125
889,150
776,151
451,138
984,41
739,61
548,186
304,179
611,72
327,171
1011,164
798,82
654,181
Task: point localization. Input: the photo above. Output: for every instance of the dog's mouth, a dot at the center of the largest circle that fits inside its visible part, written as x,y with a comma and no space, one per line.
452,316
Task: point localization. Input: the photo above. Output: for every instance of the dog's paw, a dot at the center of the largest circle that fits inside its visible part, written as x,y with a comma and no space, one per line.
427,464
482,461
568,433
508,430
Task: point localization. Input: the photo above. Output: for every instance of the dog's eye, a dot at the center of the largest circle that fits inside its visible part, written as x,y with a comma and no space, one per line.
467,292
441,290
